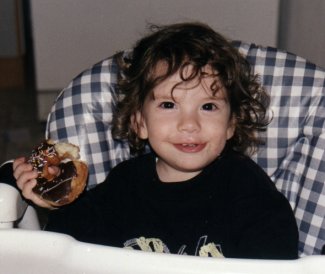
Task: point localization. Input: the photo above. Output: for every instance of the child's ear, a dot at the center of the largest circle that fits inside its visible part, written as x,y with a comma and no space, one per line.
231,127
139,125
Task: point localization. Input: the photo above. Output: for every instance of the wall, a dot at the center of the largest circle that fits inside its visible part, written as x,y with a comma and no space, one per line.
71,35
302,29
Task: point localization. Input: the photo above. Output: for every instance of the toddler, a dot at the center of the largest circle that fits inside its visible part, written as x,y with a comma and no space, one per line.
189,97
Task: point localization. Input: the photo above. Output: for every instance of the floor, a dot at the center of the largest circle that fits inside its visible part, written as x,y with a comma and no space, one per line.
20,130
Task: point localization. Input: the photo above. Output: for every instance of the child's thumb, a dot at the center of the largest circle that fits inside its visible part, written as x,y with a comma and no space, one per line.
54,170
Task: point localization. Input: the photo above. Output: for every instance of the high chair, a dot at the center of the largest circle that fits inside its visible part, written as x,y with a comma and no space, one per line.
293,154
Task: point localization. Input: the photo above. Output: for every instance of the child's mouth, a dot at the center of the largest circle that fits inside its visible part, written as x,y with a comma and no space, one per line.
190,147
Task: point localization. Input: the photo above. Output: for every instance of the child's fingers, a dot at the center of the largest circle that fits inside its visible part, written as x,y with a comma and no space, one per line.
20,167
40,202
27,188
54,170
27,192
26,180
24,176
18,162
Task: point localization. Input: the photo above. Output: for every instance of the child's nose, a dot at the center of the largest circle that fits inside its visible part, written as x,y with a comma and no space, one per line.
188,122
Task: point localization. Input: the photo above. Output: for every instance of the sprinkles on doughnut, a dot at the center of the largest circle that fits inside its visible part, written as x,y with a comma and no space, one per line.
65,187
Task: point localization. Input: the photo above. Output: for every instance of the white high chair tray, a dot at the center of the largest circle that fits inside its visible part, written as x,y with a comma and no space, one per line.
26,251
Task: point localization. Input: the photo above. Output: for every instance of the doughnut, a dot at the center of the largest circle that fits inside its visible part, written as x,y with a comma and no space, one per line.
69,183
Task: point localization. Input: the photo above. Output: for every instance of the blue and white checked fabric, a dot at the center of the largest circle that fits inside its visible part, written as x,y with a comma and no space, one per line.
82,115
293,155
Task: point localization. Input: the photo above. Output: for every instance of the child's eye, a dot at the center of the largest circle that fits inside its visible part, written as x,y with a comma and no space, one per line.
167,105
209,107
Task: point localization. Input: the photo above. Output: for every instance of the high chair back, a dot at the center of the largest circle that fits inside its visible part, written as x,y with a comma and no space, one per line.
293,154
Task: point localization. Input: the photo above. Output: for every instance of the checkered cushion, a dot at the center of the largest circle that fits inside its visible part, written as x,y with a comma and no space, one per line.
82,115
293,154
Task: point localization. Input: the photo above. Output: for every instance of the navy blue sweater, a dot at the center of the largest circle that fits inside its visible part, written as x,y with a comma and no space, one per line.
231,207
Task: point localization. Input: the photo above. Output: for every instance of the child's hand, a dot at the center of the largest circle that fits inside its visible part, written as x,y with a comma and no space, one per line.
26,180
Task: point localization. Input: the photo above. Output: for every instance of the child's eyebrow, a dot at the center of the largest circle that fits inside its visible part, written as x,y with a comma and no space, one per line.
219,95
218,98
155,96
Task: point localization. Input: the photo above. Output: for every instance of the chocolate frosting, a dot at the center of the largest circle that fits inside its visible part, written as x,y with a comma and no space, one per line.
40,154
59,188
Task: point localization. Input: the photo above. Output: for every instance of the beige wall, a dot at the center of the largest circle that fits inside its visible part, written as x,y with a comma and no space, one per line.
70,35
302,29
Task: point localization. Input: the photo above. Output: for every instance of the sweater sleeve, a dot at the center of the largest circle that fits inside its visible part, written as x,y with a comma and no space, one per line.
93,217
262,218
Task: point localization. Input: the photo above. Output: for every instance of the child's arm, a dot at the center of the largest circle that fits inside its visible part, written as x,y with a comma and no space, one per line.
25,177
265,222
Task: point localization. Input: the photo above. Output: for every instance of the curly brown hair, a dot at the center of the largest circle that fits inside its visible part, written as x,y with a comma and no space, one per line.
198,45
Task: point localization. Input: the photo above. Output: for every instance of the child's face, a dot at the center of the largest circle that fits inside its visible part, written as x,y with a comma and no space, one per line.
188,128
